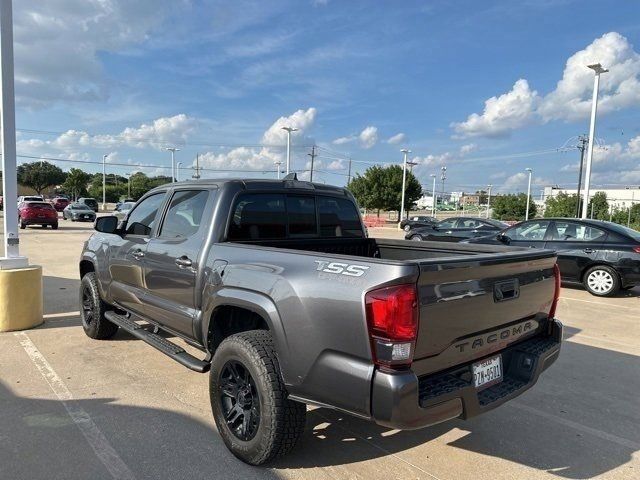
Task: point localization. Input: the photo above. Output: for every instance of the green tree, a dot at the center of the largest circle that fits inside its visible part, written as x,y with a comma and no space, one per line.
76,183
39,175
512,207
561,205
598,206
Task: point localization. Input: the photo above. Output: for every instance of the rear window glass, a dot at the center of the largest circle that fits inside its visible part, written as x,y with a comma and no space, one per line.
301,211
338,218
626,231
39,205
259,216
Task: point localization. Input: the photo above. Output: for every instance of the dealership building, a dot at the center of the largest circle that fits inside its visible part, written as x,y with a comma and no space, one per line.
620,198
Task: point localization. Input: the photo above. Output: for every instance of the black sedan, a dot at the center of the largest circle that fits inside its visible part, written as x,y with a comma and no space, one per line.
78,212
417,221
455,229
602,256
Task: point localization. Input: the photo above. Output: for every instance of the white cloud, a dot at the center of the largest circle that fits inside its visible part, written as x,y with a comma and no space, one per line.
344,140
619,88
368,137
160,133
614,161
300,119
502,114
518,182
571,99
58,42
465,149
397,138
446,158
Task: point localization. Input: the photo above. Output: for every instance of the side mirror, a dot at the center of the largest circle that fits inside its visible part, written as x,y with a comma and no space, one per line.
107,224
504,239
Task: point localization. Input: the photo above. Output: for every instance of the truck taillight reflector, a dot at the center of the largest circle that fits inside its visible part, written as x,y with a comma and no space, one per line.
636,249
392,317
556,295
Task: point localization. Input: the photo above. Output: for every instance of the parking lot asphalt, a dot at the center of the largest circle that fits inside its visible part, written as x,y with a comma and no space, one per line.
71,407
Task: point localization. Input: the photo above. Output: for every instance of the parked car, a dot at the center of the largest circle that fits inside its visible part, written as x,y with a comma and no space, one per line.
123,209
90,202
290,303
454,229
30,198
59,203
37,213
602,256
78,212
417,221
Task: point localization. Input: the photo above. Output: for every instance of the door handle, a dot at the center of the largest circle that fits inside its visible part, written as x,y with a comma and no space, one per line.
137,254
183,261
588,250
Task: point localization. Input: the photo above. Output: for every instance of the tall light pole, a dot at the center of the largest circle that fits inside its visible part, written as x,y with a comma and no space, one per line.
404,182
104,182
526,213
433,194
278,164
289,130
489,187
129,185
598,69
173,151
178,171
443,177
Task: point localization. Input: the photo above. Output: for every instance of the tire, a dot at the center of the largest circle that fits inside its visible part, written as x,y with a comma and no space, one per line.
601,281
92,310
54,226
22,225
407,228
415,238
279,423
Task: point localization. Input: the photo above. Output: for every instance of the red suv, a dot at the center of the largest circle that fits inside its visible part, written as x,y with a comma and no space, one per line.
59,203
37,213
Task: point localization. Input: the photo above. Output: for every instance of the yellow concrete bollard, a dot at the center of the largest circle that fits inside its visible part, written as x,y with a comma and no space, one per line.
20,298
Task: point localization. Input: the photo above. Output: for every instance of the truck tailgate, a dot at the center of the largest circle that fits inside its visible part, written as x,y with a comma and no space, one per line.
470,307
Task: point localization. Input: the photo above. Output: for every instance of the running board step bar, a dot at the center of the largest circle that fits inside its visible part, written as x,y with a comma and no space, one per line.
158,342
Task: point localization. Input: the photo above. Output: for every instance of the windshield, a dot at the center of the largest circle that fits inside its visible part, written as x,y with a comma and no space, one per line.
80,206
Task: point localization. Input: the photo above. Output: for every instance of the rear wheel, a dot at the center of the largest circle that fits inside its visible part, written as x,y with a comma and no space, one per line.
22,224
92,310
602,281
54,226
407,228
249,401
415,238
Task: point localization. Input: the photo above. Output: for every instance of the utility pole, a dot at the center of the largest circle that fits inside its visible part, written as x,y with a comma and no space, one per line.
443,177
313,157
629,216
489,198
598,70
404,181
129,186
435,197
526,213
178,171
278,164
104,182
349,174
196,175
582,145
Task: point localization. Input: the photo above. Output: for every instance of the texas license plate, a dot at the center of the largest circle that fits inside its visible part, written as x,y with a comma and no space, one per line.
487,372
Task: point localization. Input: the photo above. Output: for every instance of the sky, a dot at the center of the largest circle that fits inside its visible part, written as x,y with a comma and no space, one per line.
486,89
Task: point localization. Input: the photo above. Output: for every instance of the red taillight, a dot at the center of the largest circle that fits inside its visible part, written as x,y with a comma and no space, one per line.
556,295
392,317
636,249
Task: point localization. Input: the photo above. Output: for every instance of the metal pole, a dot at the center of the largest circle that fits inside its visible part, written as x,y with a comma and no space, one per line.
404,181
526,213
592,131
435,197
582,140
8,127
629,217
104,182
288,151
129,186
489,199
173,166
443,177
178,171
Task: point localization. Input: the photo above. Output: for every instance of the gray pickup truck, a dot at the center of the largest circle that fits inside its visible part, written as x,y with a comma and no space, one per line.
290,303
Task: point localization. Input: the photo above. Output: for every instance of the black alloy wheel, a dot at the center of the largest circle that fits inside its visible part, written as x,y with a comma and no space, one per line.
239,400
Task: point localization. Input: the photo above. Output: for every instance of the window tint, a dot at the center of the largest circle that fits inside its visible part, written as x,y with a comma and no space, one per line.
528,231
338,218
301,212
469,223
258,216
184,215
449,223
576,232
143,217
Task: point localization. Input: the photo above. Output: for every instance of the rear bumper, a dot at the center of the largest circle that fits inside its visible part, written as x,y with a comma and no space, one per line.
402,400
40,221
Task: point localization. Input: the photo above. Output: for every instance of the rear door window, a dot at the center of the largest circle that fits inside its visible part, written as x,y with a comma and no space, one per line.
576,232
259,216
338,218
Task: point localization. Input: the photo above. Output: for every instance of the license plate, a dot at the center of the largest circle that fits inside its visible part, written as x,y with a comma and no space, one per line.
487,372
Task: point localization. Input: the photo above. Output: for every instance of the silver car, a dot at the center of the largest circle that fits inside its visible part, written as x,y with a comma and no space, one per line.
122,210
78,212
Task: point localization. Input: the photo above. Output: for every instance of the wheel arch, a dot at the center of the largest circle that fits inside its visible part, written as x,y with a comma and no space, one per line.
598,264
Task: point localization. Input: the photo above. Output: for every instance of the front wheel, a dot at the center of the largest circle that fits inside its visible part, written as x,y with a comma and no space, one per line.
407,228
92,310
249,401
602,281
416,238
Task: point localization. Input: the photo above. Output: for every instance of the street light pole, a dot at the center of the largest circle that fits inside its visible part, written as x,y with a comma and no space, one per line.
435,197
128,185
443,177
178,171
289,130
526,213
489,198
404,182
598,69
173,150
104,182
277,163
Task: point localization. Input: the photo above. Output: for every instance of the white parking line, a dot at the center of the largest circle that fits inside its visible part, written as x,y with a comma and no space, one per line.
96,439
604,304
623,442
50,316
